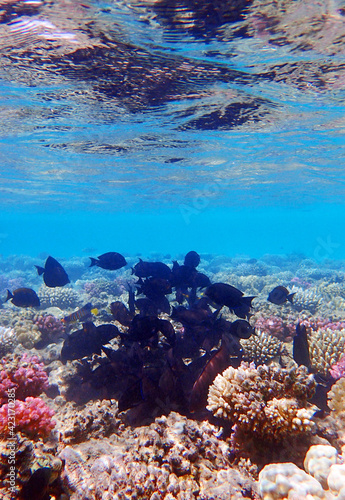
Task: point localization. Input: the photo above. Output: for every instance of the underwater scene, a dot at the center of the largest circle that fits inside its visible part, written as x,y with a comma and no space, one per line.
172,250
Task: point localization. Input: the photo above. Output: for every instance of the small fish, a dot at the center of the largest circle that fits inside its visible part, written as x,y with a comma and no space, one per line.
23,297
53,273
110,261
279,295
81,314
192,259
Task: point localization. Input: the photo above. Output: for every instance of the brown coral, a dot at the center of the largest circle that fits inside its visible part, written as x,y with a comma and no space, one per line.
268,401
172,459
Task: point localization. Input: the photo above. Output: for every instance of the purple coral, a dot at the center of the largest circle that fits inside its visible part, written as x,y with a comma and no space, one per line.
31,417
24,374
50,327
276,326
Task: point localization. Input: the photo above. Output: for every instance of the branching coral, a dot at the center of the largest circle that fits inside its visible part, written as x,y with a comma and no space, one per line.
32,417
268,401
25,374
261,348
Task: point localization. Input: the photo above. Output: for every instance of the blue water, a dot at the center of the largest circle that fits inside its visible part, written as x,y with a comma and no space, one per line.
139,128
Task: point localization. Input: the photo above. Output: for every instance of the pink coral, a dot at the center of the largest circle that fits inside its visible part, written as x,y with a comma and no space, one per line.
338,369
276,326
24,374
31,417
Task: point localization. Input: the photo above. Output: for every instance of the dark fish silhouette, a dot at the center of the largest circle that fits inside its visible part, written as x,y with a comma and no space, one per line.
192,259
148,307
241,329
279,295
87,341
227,295
191,317
37,486
109,260
301,346
121,313
146,328
182,276
23,297
154,287
53,273
151,269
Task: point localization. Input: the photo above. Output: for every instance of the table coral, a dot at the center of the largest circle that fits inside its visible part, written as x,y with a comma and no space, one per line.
269,402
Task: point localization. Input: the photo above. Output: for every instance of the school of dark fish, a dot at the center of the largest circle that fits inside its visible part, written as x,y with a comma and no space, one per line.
154,357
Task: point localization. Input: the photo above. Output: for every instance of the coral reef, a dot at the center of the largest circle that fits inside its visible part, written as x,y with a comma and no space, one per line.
32,417
276,326
309,300
64,298
96,420
326,346
28,334
261,348
268,402
337,371
8,340
323,478
336,399
50,327
173,458
25,375
30,456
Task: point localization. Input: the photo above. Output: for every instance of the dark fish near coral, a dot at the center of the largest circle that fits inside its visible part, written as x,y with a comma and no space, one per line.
227,295
279,295
191,317
230,353
109,260
154,287
120,313
146,328
37,486
23,297
148,307
82,314
53,273
151,269
87,341
182,276
301,346
241,329
192,259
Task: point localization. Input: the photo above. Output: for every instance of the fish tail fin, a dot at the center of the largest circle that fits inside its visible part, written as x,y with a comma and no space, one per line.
248,300
290,297
93,261
9,296
40,270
